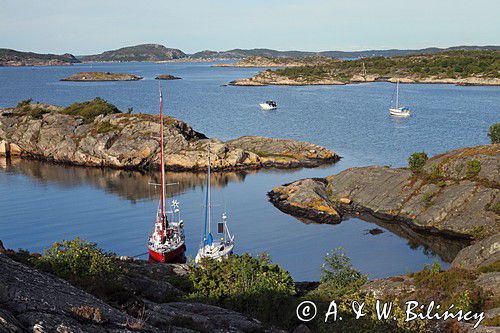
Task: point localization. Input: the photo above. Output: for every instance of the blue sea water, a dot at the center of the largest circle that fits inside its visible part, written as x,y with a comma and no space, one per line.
41,203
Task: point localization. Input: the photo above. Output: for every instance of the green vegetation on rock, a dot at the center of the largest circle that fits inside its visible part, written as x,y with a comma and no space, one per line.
416,161
78,259
452,64
88,110
91,109
338,270
473,168
254,286
494,133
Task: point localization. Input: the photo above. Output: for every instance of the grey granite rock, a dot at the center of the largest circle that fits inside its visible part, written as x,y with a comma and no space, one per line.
130,141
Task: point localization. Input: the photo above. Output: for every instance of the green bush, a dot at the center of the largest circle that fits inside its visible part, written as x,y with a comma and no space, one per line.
78,259
24,103
91,109
337,270
243,283
473,168
494,133
416,161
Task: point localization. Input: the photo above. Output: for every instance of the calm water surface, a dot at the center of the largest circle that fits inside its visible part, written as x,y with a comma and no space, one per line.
41,203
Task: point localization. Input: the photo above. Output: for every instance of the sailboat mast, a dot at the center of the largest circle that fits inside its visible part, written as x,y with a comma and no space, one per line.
162,167
208,190
207,204
397,94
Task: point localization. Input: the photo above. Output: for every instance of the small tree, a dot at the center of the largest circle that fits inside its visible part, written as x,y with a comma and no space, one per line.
337,270
494,133
416,161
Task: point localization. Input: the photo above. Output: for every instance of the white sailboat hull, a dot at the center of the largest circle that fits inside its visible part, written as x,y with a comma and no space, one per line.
399,112
216,251
265,106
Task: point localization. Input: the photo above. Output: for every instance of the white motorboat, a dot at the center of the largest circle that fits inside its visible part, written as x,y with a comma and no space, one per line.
221,247
399,111
268,105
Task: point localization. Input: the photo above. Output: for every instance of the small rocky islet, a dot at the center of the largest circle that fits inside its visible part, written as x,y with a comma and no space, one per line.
96,133
167,77
101,76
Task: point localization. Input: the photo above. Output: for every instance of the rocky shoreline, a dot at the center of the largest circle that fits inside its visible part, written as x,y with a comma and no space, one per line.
272,78
129,141
101,76
452,196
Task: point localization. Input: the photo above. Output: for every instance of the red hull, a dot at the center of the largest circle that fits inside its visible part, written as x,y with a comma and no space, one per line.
173,256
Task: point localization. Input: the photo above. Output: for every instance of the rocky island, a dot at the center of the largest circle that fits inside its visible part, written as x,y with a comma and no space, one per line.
15,58
268,62
167,77
143,52
454,194
101,76
96,133
452,67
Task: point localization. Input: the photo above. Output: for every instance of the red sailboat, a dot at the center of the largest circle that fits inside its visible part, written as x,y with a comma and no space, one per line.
167,241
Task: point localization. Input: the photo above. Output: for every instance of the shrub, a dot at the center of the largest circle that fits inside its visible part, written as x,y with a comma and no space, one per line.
452,286
37,112
24,103
337,270
78,259
416,161
493,267
91,109
494,133
473,168
495,207
436,174
243,283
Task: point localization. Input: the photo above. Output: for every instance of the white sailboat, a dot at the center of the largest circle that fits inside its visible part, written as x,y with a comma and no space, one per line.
268,105
221,247
167,241
399,111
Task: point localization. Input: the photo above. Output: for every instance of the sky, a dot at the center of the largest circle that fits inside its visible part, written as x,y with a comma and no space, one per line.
90,26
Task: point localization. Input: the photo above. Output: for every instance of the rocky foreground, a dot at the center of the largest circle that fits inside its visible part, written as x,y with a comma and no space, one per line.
102,76
130,141
456,194
34,301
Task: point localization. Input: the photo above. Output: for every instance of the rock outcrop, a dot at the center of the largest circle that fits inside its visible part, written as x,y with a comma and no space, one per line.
33,301
457,194
269,77
480,254
167,77
131,141
101,76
